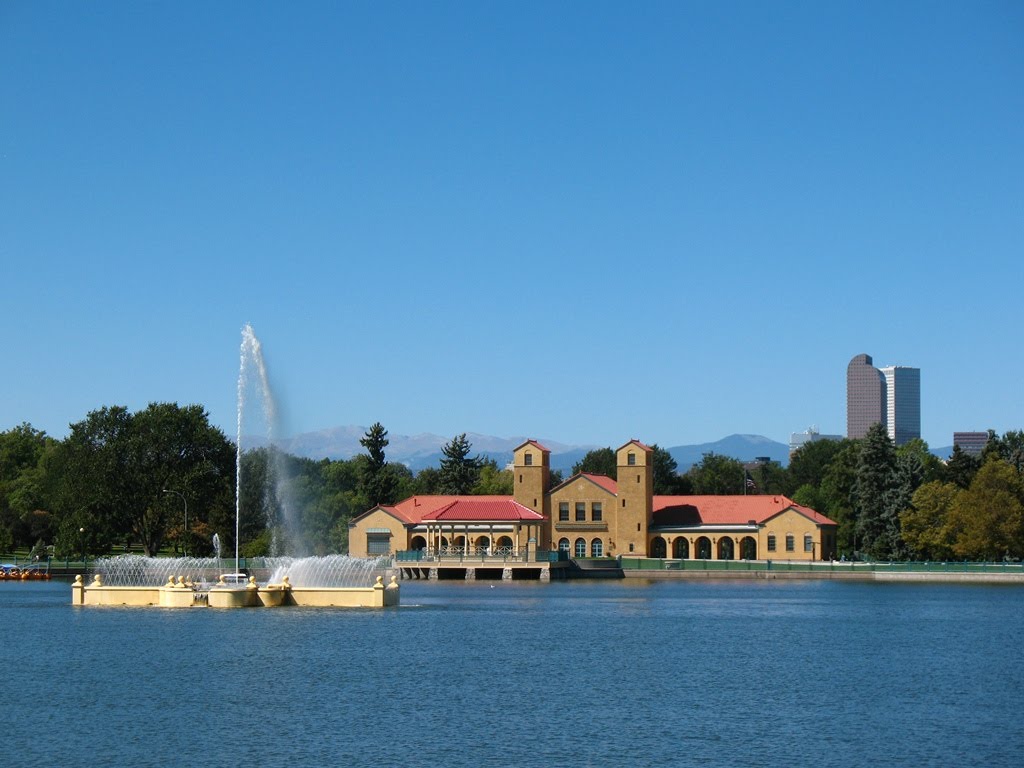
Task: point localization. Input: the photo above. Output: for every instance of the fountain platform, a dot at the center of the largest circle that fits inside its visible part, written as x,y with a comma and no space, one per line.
177,593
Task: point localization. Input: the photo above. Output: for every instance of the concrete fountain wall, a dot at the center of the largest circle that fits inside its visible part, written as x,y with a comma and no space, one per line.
179,594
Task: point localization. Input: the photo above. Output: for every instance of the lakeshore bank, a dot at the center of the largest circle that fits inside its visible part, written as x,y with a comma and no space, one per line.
904,577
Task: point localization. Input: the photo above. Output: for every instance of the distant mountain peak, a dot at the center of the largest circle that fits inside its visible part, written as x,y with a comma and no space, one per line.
424,449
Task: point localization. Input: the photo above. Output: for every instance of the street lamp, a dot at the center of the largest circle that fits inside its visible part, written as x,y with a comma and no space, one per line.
81,541
184,545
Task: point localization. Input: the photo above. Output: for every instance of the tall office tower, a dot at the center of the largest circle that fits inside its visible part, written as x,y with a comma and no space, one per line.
865,396
902,402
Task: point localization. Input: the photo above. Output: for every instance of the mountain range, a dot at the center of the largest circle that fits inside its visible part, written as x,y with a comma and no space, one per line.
424,450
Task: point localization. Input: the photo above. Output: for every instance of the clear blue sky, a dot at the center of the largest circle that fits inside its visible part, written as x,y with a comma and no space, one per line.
585,221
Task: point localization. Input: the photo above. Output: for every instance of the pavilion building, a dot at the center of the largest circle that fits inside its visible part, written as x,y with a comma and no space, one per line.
590,516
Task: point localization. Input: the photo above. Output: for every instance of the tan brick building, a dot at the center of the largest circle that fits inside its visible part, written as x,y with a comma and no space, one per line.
596,516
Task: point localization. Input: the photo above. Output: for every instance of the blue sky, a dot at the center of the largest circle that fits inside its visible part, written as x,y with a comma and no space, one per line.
582,221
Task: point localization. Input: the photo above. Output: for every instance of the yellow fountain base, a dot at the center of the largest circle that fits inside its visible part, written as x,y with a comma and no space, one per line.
178,594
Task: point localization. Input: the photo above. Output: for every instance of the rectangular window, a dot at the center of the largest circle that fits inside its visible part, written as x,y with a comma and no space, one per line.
581,511
563,511
529,459
771,542
378,544
596,512
808,543
631,459
790,543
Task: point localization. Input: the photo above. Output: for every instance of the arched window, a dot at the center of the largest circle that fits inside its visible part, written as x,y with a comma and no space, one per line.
563,545
581,547
596,548
771,542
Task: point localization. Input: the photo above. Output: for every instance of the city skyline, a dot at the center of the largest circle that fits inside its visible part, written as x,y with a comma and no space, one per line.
434,216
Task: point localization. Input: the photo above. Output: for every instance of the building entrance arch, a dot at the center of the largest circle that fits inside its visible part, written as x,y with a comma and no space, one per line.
681,548
726,548
418,542
703,548
658,547
748,548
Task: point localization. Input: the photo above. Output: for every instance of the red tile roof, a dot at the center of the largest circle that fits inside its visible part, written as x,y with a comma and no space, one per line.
416,509
601,480
726,510
472,509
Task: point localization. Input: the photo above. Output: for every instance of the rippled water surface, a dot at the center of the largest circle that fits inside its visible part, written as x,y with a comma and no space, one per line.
525,674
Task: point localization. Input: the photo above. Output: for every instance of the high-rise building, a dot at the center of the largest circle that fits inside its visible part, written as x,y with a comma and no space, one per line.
972,443
902,403
890,396
865,396
798,440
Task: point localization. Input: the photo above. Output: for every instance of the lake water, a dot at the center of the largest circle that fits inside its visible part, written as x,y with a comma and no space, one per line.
525,674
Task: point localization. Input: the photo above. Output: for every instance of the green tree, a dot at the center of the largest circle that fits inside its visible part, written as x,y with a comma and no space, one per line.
378,484
809,496
961,468
667,480
925,526
717,475
769,477
599,461
459,471
493,481
24,508
810,462
877,523
1009,448
113,468
987,519
837,492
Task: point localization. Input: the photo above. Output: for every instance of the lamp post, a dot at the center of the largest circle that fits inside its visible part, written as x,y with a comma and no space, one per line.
184,545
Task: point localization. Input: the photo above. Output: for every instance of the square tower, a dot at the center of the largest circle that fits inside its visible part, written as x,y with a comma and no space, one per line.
635,485
531,482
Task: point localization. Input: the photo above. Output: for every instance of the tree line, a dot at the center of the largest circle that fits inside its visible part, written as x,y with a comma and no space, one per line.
890,503
163,479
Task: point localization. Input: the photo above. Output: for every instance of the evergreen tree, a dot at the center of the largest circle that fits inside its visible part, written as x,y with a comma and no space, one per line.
961,468
378,483
836,493
877,525
459,472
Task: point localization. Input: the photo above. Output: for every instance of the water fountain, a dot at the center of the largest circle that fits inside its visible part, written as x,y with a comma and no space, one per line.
332,580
